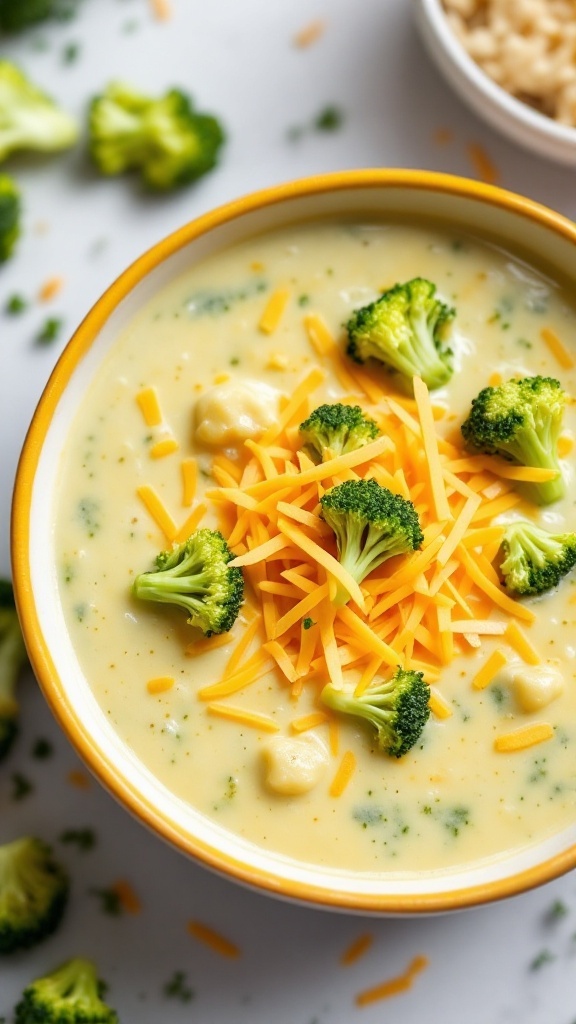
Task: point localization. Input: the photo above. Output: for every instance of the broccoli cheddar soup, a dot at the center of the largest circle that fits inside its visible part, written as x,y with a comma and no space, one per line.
380,673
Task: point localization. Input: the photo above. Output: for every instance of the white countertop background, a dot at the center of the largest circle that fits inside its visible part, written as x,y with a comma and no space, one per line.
238,59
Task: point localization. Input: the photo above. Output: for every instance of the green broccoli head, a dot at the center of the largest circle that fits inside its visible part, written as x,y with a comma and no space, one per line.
521,421
29,119
17,15
371,524
534,559
12,659
33,893
71,994
336,429
10,212
398,709
196,576
404,329
165,139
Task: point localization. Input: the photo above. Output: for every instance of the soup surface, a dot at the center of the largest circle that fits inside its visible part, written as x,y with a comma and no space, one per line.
282,771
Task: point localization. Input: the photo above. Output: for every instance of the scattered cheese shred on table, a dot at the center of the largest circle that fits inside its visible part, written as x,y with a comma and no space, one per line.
51,288
161,9
129,900
309,34
79,779
392,987
213,939
358,948
483,164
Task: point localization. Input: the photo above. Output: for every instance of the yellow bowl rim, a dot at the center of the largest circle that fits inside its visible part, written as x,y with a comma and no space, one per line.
38,649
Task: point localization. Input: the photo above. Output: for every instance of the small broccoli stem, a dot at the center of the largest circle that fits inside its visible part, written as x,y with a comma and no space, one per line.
170,586
75,981
361,553
548,492
428,363
359,707
531,450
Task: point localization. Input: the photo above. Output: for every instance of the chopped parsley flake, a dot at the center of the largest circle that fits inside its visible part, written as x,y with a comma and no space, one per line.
21,786
42,749
49,331
178,988
110,902
15,305
83,838
329,120
543,958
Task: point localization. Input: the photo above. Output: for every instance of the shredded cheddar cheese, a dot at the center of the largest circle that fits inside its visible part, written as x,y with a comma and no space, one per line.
79,779
166,446
51,288
557,348
392,987
161,9
160,684
486,675
526,736
483,164
251,718
273,312
129,900
358,948
213,939
149,405
310,34
419,611
345,771
159,513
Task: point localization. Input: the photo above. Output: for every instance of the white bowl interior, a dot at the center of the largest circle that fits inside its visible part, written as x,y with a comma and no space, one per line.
110,758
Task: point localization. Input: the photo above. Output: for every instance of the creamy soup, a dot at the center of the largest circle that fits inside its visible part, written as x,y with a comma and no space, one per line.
290,775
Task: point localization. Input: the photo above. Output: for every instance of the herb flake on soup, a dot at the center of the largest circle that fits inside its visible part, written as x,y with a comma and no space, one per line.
283,722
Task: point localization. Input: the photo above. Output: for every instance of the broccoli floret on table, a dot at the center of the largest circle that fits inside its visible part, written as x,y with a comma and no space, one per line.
196,576
404,330
33,893
165,139
17,15
397,709
535,560
335,429
521,421
29,119
10,212
371,524
71,994
12,659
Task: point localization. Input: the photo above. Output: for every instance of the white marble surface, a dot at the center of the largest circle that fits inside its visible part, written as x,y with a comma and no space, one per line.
238,58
